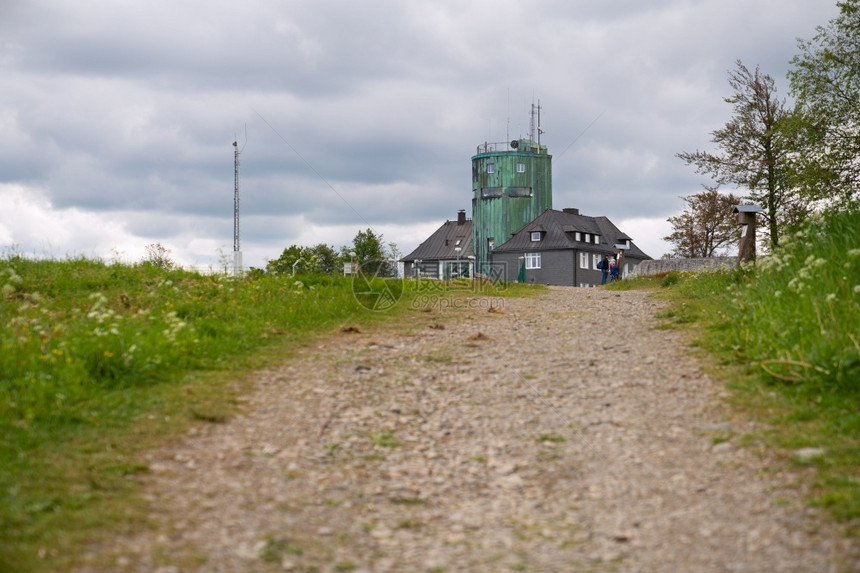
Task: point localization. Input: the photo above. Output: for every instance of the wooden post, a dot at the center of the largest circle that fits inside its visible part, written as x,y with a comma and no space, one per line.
747,221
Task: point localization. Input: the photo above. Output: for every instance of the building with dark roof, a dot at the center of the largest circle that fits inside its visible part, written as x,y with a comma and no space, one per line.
564,248
516,234
447,253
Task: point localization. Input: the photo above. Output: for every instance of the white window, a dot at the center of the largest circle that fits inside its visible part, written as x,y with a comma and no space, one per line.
532,260
535,236
578,236
583,260
595,260
587,238
491,168
521,167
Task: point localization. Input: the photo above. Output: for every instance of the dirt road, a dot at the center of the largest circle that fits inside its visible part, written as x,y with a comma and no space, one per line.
564,433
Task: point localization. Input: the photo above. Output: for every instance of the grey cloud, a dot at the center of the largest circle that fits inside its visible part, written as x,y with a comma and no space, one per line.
130,110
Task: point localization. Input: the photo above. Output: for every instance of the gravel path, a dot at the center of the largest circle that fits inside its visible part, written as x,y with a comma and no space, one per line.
562,433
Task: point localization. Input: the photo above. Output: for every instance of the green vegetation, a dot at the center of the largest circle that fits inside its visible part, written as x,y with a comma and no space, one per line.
787,332
101,362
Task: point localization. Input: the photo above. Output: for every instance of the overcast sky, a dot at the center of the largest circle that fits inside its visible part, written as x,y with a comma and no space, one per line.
118,117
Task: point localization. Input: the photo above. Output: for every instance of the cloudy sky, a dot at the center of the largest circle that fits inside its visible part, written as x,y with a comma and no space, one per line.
118,116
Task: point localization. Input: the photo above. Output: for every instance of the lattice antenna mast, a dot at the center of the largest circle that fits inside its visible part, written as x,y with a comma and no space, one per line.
237,253
539,129
534,123
235,197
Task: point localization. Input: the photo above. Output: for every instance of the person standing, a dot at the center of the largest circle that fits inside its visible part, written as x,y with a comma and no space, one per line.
613,271
604,269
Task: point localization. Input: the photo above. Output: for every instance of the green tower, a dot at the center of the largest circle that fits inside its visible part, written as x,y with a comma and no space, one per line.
511,186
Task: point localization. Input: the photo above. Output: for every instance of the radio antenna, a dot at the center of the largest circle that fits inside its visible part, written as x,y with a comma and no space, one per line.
237,253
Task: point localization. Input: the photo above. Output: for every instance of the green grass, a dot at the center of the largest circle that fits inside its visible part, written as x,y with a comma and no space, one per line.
786,334
101,362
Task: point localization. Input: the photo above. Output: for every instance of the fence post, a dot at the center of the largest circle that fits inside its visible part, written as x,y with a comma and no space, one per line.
747,221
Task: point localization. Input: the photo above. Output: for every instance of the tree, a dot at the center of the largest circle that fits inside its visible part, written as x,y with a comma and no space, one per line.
319,259
756,148
283,265
158,255
370,255
705,226
825,79
327,261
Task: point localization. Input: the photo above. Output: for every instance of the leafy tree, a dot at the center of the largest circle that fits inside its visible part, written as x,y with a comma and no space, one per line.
756,149
327,260
705,226
283,265
370,255
825,79
319,259
158,255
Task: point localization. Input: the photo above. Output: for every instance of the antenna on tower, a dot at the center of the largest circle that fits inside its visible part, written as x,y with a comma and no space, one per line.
532,121
539,128
508,128
237,253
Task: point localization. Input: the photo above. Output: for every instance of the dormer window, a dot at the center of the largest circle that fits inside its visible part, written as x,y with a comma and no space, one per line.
535,236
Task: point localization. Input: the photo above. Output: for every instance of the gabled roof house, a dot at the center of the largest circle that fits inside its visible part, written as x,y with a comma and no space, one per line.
563,248
447,253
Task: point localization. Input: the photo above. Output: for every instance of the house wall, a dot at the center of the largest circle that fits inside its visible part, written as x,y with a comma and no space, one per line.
560,267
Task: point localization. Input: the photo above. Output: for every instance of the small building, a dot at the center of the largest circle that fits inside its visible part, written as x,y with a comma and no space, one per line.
446,254
563,248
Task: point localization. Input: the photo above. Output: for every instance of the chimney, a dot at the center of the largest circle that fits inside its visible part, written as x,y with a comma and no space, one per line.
461,217
571,210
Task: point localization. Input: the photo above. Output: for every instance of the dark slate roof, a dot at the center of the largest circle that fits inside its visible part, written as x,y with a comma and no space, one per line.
441,244
558,228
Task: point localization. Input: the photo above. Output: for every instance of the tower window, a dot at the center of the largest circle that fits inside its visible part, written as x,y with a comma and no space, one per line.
519,191
521,167
491,167
490,192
